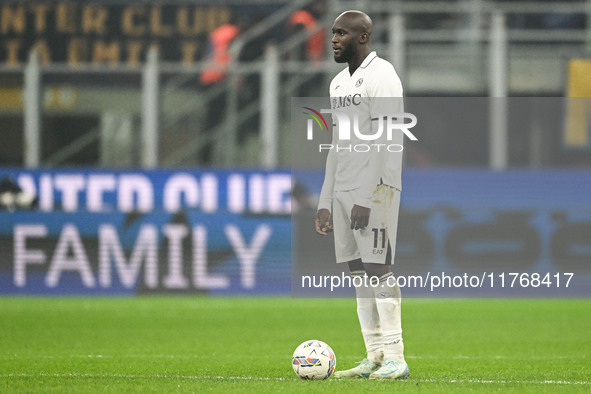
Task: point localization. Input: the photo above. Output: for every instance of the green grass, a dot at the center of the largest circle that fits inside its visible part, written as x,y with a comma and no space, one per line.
194,344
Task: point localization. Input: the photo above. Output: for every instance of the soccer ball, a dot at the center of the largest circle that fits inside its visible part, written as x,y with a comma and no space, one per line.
313,360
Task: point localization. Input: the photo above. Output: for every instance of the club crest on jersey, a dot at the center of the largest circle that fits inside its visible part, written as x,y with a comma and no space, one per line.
359,82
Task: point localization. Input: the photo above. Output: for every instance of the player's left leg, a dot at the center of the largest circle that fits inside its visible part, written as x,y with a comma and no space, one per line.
378,257
388,304
379,303
347,251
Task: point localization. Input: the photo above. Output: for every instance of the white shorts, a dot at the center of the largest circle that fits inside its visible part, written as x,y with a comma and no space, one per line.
375,243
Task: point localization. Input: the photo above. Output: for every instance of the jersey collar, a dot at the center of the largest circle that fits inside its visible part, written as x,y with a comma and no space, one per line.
372,55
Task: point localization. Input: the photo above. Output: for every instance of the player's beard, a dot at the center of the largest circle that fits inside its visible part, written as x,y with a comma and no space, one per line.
344,55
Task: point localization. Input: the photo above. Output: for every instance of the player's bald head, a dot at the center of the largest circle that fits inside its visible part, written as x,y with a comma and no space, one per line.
356,20
350,40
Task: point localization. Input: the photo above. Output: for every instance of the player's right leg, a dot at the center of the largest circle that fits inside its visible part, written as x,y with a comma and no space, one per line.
364,370
369,322
346,251
376,245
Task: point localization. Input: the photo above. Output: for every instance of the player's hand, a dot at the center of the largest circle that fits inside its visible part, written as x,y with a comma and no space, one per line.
322,222
359,217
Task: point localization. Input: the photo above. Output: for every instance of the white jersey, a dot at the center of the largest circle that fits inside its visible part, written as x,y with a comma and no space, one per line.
367,94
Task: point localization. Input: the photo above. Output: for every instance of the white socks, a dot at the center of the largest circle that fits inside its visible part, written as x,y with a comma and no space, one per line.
368,319
388,300
378,309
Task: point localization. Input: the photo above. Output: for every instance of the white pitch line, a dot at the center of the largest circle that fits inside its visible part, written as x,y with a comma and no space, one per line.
483,381
262,378
133,376
498,357
196,356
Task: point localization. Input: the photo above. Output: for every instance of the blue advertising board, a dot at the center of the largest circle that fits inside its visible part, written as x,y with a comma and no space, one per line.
232,232
475,233
130,232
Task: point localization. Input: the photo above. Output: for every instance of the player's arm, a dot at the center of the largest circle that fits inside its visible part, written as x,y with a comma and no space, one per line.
322,220
359,217
385,98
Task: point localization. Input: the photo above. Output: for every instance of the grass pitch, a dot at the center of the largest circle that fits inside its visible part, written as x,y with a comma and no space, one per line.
194,344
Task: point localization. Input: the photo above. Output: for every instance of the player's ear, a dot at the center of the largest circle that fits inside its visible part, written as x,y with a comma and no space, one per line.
363,38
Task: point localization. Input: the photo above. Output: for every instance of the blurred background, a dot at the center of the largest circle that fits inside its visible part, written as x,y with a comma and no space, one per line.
169,121
166,83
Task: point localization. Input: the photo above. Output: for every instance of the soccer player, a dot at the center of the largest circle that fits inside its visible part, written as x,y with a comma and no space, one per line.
361,191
